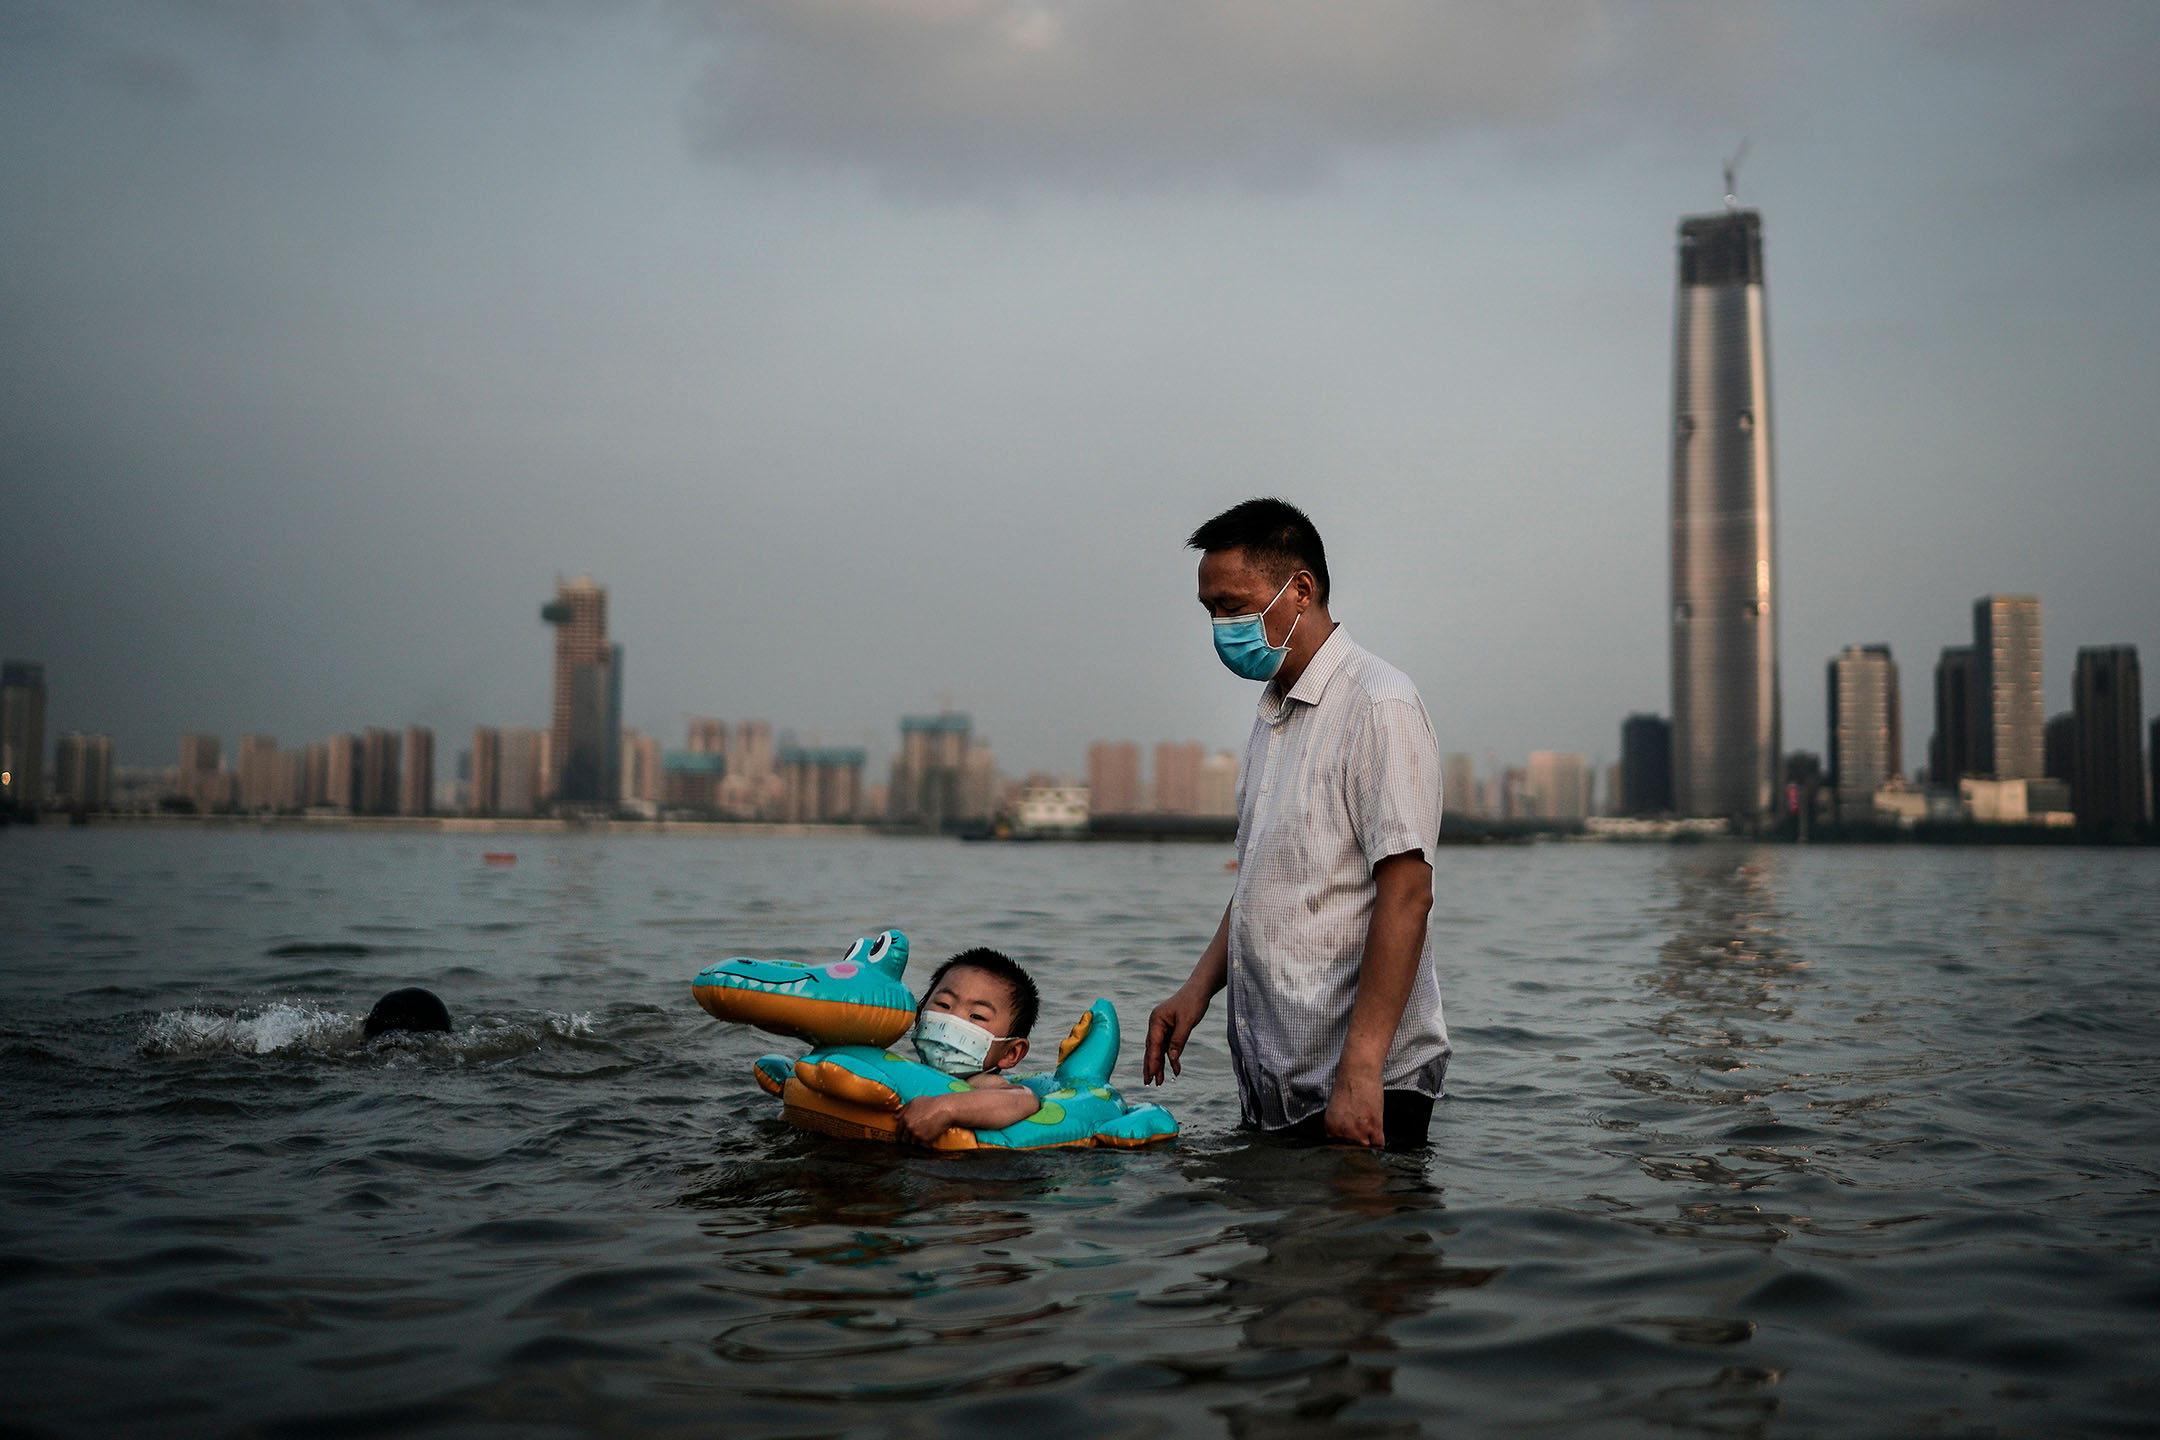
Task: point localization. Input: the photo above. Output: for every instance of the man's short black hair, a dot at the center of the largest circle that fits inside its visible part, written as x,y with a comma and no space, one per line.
1274,534
1025,1002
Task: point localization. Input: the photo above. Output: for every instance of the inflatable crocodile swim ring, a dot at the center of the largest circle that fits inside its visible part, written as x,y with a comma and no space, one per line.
855,1088
858,999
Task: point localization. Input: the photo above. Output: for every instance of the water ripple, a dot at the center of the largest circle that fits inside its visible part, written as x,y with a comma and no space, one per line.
1741,1142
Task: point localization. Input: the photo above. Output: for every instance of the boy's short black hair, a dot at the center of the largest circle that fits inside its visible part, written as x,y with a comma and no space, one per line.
995,962
1274,534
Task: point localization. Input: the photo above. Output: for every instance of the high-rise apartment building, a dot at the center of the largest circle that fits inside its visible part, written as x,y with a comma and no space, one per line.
486,770
256,766
585,724
203,781
315,774
22,734
694,781
1950,755
928,773
821,783
1558,785
2008,742
416,786
1218,784
752,754
1646,766
1866,735
1726,737
379,771
2058,747
289,791
708,736
2107,786
2152,772
1177,777
751,788
83,769
1512,791
520,766
978,782
1113,769
643,780
341,774
1458,787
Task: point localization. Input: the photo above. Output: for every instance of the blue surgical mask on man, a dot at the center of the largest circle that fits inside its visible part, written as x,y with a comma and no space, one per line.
1241,641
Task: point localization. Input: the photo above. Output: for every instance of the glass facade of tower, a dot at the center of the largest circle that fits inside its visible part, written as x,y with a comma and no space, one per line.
1726,739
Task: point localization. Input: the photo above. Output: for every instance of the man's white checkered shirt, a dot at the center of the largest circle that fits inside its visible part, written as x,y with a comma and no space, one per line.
1338,775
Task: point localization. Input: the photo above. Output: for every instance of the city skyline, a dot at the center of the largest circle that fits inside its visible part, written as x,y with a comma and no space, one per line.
328,334
2009,705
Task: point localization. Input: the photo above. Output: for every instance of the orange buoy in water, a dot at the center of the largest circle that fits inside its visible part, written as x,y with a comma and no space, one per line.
499,857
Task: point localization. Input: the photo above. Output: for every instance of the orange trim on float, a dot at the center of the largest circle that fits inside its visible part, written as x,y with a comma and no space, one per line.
830,1115
842,1083
824,1022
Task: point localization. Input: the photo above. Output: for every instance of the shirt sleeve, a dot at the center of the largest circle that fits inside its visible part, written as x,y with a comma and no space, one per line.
1392,782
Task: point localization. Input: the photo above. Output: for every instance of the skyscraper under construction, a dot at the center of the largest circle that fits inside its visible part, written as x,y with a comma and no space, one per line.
585,720
1725,700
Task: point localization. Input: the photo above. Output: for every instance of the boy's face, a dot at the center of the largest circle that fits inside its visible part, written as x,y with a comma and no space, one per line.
985,1001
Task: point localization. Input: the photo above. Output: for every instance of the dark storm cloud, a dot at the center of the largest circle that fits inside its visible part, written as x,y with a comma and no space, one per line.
986,94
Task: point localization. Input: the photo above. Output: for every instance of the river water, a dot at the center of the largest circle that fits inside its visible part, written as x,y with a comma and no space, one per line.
1740,1141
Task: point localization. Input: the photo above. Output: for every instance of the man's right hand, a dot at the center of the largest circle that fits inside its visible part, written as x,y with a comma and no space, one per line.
1168,1027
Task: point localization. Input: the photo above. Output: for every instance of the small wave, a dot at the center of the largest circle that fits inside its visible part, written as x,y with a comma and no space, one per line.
298,1027
489,1038
280,1026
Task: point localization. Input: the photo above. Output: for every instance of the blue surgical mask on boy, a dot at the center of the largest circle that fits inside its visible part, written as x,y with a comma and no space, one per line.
947,1043
1241,642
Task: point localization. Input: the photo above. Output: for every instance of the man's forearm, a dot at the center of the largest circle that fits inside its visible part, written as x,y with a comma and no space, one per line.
1394,941
1213,972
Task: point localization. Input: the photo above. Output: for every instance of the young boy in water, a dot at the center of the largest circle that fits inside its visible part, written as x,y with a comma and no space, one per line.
973,1025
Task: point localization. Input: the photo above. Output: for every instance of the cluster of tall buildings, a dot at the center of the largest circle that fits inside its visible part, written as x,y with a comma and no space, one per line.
1554,785
587,762
1993,745
1993,757
378,771
1187,780
1719,755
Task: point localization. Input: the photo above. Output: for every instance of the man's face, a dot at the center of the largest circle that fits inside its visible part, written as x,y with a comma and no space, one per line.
984,1001
1231,584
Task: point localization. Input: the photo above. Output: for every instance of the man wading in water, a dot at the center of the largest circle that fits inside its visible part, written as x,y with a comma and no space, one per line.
1335,1024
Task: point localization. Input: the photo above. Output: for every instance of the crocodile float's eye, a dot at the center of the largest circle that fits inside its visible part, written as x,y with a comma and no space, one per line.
880,947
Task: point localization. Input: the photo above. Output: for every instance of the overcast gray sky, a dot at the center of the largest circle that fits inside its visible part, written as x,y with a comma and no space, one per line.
873,351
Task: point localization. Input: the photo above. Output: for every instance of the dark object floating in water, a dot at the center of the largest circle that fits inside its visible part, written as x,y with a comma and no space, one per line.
409,1009
499,857
321,947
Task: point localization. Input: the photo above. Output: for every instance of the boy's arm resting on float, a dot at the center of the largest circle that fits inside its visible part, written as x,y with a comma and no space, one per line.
991,1103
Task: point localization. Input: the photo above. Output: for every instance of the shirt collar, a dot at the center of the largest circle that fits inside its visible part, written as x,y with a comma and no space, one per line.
1314,681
